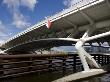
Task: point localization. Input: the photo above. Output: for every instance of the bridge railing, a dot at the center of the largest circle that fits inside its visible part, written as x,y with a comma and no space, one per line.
80,3
15,65
97,49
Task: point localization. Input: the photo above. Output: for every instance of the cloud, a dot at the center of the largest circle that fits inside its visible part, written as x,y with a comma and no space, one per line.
15,4
19,20
12,3
69,2
3,35
2,26
29,3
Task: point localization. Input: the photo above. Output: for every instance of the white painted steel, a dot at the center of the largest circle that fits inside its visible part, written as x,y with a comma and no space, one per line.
85,57
79,48
97,36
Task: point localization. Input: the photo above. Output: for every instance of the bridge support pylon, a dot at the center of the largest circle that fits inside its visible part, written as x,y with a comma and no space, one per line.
86,59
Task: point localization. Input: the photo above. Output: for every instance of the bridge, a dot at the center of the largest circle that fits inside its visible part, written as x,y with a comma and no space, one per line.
82,23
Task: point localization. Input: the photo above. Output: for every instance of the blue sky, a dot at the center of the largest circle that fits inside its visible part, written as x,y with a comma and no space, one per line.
17,15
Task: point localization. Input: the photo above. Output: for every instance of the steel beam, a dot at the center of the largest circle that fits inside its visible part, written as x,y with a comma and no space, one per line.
85,57
88,18
74,25
69,22
97,36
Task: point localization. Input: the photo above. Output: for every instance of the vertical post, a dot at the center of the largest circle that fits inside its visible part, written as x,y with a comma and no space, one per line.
74,62
30,63
1,67
102,60
99,59
50,64
95,57
107,59
64,64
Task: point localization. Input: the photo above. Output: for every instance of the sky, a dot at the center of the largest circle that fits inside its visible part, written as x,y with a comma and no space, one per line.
18,15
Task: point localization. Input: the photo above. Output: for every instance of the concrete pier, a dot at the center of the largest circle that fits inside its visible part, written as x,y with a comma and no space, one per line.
80,75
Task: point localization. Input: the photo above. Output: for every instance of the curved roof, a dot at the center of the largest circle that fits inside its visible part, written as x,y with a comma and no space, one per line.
41,43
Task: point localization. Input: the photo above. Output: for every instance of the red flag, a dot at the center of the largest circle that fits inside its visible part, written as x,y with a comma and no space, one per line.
48,24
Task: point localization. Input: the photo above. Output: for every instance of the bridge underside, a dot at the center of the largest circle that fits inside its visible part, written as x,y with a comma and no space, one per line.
53,42
37,44
71,23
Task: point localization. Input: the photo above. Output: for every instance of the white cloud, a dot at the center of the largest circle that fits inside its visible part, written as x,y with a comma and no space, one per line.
17,3
19,20
11,3
3,35
29,3
2,27
69,2
66,2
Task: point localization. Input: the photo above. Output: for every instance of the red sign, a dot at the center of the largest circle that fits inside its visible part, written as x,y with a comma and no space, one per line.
48,24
